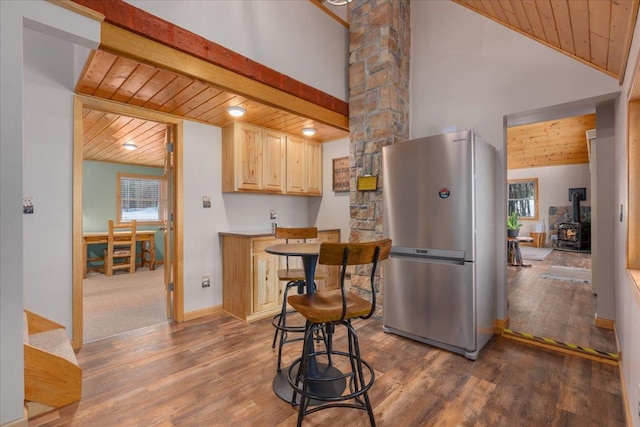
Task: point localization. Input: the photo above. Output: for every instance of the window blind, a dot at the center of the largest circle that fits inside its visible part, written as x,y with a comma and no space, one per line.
140,199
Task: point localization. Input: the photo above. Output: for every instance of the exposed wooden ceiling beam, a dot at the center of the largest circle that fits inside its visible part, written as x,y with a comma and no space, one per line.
130,45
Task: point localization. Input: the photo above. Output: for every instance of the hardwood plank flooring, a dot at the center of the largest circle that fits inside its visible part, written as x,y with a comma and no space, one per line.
218,371
557,309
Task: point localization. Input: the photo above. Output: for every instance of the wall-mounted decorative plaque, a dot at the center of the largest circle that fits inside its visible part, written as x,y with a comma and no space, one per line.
341,174
368,183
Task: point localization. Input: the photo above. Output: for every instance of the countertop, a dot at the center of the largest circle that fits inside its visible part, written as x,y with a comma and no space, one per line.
247,233
259,233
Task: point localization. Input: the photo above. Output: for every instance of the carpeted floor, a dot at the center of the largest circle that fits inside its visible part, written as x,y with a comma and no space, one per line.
573,274
123,302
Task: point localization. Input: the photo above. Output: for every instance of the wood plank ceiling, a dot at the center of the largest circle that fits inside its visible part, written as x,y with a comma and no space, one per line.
105,134
127,81
595,32
549,143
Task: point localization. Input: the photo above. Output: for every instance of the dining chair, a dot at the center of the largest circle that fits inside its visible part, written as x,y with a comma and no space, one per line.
294,277
327,310
120,247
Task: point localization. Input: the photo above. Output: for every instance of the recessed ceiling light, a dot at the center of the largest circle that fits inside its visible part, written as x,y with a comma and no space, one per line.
309,131
236,111
130,145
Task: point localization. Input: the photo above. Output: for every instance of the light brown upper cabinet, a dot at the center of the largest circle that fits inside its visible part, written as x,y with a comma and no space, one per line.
274,160
265,161
253,159
296,165
314,168
304,166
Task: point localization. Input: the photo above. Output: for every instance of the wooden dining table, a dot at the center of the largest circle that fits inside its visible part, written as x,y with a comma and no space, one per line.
309,252
145,237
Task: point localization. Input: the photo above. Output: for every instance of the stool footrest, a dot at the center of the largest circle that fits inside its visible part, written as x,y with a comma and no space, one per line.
275,321
355,388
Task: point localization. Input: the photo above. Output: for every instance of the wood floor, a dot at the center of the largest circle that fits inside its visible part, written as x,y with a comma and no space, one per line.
557,309
218,371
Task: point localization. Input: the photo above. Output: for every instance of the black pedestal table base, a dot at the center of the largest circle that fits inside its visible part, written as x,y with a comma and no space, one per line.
334,388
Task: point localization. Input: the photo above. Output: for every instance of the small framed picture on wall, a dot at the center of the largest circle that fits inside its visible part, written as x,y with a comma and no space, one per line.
341,174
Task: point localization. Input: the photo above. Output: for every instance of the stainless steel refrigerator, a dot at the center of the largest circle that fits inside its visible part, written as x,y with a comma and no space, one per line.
439,210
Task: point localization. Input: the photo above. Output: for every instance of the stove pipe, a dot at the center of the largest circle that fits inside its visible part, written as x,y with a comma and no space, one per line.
575,198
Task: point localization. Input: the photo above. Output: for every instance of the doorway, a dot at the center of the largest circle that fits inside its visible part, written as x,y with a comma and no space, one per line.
168,236
551,297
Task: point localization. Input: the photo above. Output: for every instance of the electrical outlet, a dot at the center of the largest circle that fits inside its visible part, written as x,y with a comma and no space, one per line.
273,215
206,281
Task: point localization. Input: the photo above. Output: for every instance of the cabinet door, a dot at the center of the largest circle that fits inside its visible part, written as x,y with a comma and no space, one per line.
296,165
273,177
249,160
314,168
265,282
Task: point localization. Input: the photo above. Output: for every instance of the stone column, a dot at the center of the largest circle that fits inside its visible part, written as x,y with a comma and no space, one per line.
379,54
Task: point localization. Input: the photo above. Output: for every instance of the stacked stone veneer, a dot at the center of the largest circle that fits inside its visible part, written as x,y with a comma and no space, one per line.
379,52
560,214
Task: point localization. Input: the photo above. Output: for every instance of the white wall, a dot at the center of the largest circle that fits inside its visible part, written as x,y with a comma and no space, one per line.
627,294
293,37
11,246
605,217
202,177
17,265
470,72
332,209
228,212
553,189
48,152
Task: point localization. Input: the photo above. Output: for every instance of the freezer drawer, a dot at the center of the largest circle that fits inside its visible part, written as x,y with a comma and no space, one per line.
432,300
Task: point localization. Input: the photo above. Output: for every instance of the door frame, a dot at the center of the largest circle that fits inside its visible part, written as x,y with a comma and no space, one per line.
80,102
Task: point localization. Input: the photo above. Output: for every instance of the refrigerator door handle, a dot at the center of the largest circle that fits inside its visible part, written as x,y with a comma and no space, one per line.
424,258
455,256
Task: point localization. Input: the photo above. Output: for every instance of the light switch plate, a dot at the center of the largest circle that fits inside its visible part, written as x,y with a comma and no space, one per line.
27,205
206,281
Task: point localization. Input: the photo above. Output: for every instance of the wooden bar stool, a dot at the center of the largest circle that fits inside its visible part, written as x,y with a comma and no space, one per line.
326,310
295,278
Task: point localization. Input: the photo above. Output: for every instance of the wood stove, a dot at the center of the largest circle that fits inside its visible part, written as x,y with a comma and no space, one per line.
576,234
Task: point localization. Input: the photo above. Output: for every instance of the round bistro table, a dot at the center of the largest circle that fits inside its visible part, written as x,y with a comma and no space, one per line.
309,252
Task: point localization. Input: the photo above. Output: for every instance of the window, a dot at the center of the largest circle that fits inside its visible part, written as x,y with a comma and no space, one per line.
139,198
523,197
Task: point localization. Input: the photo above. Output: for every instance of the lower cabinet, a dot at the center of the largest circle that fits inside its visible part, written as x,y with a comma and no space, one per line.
266,295
250,289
